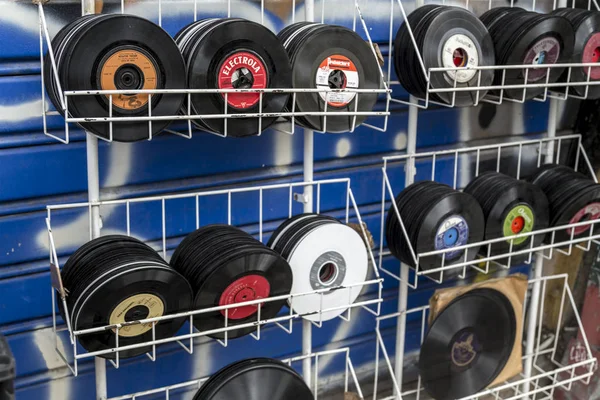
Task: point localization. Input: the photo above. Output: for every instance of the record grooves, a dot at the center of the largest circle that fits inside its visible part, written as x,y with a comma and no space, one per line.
330,57
436,217
468,344
323,254
255,379
118,280
116,52
227,266
234,53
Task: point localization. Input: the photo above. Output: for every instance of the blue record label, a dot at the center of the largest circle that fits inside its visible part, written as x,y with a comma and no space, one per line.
453,232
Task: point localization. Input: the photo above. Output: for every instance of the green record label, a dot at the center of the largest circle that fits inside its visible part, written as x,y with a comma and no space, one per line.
519,219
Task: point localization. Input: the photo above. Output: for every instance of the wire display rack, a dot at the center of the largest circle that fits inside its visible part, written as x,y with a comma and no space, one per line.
556,90
185,338
549,371
287,126
350,373
468,163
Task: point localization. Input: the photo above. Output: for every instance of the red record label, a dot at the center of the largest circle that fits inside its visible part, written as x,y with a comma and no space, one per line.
248,288
242,70
591,54
591,212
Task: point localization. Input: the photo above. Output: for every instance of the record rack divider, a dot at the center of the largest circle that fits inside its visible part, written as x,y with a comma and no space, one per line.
287,127
557,90
88,7
186,339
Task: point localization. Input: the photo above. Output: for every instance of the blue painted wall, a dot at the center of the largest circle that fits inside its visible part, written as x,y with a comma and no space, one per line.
36,171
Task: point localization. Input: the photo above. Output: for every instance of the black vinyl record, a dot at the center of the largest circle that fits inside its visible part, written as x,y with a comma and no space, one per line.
573,198
120,280
255,379
447,37
329,56
587,49
234,53
226,266
436,217
468,344
527,38
511,207
117,52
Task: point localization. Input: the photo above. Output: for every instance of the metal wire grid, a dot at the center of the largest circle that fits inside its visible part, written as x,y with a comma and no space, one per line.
548,373
186,340
558,90
288,127
472,157
197,383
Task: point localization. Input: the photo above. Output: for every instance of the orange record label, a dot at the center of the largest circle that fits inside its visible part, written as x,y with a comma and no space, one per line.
109,71
338,72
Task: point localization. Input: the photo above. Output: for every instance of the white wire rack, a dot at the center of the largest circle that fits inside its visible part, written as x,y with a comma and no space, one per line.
349,373
558,90
288,126
549,371
467,163
186,338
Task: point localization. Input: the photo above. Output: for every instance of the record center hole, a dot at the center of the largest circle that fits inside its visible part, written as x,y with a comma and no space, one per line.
337,79
596,55
327,273
460,57
129,77
451,237
517,225
137,313
540,58
242,78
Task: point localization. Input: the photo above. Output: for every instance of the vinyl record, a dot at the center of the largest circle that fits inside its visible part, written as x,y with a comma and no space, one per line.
586,25
573,198
117,52
510,207
234,53
323,253
330,56
436,217
468,344
255,379
225,266
118,279
446,37
524,38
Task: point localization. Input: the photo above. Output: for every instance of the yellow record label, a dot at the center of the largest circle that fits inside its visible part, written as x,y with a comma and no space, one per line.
140,306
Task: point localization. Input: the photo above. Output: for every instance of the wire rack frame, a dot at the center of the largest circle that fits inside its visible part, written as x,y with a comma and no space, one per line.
458,158
288,127
558,90
546,376
186,339
350,372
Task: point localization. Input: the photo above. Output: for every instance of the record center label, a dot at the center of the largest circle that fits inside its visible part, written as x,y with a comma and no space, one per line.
247,288
591,54
465,348
543,52
328,270
591,212
137,307
460,51
242,70
337,72
519,219
453,232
